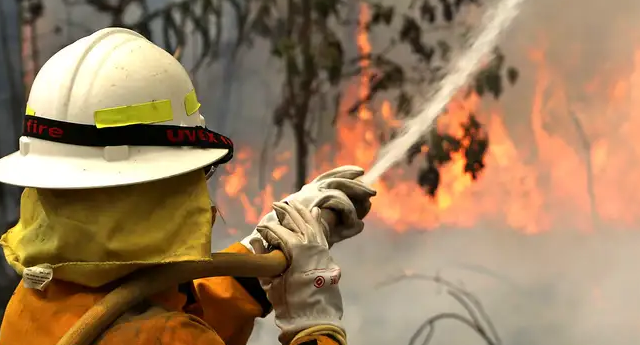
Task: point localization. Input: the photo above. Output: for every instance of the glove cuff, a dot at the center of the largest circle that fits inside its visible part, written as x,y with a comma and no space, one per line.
335,333
331,329
255,243
247,243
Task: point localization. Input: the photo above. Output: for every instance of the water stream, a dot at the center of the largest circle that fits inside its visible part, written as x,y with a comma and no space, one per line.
494,22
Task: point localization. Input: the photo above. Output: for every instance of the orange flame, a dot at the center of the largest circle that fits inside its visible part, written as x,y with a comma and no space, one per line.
563,178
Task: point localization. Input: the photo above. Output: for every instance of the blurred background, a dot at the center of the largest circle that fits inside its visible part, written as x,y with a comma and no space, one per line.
520,204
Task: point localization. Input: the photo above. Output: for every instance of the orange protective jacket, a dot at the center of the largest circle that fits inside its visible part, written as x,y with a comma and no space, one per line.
211,311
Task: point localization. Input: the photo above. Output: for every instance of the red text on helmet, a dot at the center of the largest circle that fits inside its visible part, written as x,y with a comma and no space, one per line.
194,135
33,127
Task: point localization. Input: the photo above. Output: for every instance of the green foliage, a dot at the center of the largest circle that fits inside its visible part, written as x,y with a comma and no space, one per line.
421,20
473,145
179,21
305,37
32,10
329,55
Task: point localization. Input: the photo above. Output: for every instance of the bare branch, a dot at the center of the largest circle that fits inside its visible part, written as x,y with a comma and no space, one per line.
478,320
586,147
429,325
264,154
177,54
175,18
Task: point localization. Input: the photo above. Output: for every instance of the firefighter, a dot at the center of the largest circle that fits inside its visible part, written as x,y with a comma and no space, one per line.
115,158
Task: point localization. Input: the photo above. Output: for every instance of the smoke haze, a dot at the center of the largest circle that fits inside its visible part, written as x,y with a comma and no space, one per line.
559,287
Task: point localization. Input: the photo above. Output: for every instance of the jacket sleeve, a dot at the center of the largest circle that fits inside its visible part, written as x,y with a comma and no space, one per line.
172,328
230,305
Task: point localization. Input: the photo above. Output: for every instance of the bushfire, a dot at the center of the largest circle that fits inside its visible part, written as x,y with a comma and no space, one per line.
565,164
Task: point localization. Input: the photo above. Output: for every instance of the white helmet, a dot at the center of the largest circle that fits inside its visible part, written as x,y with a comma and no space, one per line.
111,109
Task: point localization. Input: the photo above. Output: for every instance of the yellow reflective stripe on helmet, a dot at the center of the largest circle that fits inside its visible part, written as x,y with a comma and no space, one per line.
144,113
30,111
191,104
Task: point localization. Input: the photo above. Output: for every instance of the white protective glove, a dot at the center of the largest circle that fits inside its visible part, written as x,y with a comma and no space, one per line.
327,191
306,296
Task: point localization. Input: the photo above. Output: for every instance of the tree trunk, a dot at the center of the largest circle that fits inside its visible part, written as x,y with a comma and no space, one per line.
12,106
302,155
229,69
225,99
304,96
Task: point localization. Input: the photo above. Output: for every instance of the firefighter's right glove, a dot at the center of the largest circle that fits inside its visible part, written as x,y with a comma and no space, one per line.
305,298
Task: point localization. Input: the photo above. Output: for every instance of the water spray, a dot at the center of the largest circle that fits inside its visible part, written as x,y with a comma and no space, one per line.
494,22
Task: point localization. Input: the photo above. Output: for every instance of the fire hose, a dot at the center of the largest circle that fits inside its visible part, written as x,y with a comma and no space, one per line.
147,282
160,278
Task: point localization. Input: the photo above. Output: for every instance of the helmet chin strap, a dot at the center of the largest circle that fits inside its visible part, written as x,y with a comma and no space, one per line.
214,213
210,170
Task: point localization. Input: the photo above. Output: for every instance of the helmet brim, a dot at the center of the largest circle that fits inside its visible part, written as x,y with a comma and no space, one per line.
63,172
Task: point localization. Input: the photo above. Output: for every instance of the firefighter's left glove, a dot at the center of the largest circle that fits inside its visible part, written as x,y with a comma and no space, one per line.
337,190
305,298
